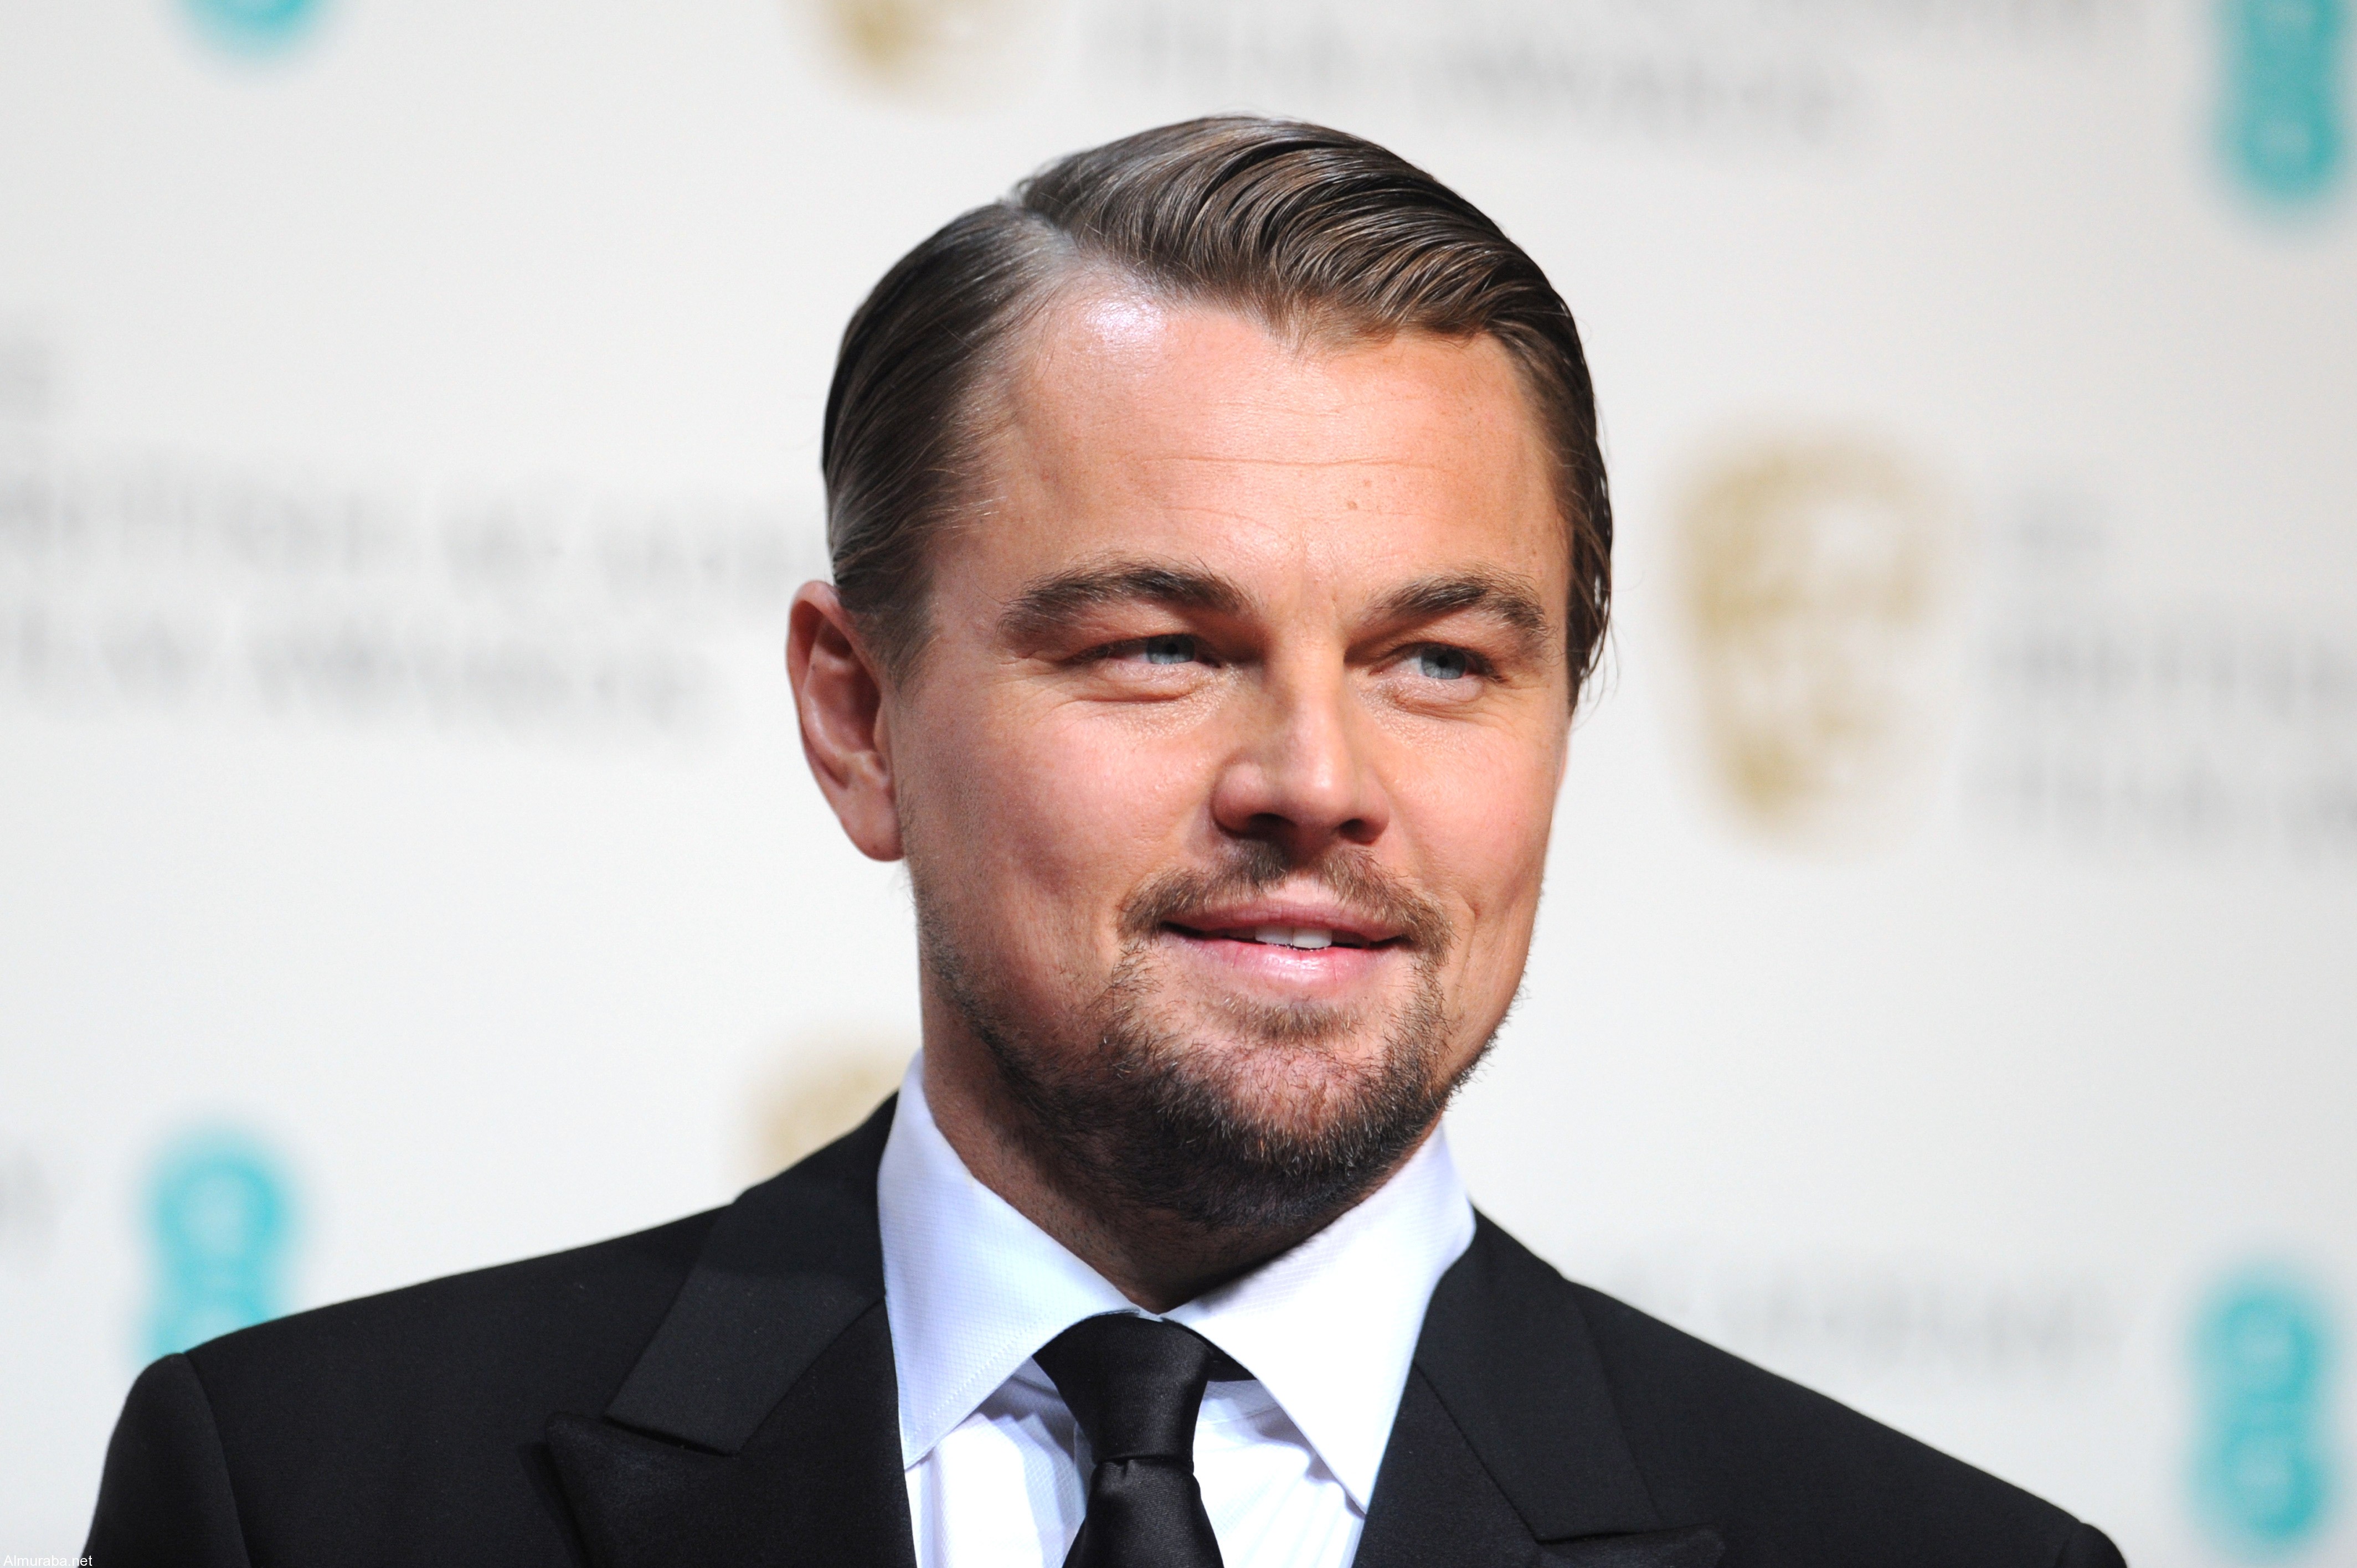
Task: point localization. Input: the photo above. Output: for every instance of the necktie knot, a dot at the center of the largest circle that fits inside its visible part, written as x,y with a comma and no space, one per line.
1135,1384
1136,1387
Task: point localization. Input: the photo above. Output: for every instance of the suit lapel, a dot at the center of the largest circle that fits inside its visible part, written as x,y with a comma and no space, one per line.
1507,1449
761,1425
1434,1500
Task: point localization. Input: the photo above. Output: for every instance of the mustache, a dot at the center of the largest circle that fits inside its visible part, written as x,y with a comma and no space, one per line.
1350,875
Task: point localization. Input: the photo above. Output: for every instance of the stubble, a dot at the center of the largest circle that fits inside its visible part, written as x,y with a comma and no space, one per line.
1256,1121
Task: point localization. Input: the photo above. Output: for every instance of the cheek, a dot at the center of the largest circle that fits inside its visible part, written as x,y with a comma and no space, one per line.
1480,823
1052,820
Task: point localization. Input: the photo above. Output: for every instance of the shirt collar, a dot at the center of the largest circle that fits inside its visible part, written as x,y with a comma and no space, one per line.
972,1288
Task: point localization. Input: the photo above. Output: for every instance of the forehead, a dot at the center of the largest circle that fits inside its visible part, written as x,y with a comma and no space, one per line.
1131,425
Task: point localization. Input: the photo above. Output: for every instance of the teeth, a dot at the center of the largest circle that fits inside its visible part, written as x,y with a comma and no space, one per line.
1293,936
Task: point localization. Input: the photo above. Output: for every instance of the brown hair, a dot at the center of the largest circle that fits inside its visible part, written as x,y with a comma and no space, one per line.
1317,233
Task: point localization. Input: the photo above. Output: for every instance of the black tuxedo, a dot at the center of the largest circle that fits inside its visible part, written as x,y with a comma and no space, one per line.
719,1391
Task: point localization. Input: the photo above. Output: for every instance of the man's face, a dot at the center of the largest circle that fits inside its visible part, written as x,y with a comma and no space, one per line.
1227,774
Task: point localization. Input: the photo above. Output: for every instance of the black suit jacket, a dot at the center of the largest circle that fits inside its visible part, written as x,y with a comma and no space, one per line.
720,1392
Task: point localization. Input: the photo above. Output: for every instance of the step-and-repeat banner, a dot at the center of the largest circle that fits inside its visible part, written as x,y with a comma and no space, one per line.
408,420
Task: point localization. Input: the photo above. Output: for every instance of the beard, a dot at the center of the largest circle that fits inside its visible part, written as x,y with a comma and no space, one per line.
1267,1126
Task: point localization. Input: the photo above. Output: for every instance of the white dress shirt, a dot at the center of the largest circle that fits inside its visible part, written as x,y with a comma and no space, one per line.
997,1469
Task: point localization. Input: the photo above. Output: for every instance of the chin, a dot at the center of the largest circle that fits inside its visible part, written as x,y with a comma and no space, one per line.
1270,1120
1223,1110
1299,1069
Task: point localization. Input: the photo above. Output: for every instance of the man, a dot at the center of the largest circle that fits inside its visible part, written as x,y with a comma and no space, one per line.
1221,542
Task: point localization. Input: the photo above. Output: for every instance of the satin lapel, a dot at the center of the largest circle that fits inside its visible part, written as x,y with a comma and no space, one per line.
761,1425
1434,1501
820,1483
1699,1547
1507,1448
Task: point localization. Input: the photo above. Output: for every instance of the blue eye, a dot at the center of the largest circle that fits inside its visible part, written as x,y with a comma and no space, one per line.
1172,649
1443,663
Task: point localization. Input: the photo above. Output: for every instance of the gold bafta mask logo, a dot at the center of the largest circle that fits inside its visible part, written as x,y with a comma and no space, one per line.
1818,580
932,47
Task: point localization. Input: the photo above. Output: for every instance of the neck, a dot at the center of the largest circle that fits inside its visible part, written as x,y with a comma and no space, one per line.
1157,1259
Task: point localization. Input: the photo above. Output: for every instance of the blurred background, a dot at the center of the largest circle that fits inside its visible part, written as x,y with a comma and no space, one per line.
408,444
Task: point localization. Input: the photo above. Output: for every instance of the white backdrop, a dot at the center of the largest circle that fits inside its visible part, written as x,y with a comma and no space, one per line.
408,419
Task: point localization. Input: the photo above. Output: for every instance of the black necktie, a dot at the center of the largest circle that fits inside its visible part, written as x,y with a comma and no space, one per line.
1135,1385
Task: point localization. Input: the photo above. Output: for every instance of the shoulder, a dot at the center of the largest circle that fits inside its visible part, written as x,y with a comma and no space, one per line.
401,1427
1787,1472
564,1328
411,1427
1765,1446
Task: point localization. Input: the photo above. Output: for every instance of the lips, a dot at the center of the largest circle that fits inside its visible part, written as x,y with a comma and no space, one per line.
1305,937
1287,950
1304,930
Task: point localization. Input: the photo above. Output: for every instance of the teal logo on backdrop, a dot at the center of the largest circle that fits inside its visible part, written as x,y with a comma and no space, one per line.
2262,1370
220,1217
254,24
2285,95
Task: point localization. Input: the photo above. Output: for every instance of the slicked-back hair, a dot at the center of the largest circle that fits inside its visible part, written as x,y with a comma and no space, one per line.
1321,236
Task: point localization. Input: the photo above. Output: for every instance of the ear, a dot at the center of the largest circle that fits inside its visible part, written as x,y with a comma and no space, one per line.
839,698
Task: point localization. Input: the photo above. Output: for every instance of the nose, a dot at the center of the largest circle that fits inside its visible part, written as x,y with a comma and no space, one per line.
1303,776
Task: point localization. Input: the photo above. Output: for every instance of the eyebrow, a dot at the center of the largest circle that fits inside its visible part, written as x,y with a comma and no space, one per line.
1050,603
1501,595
